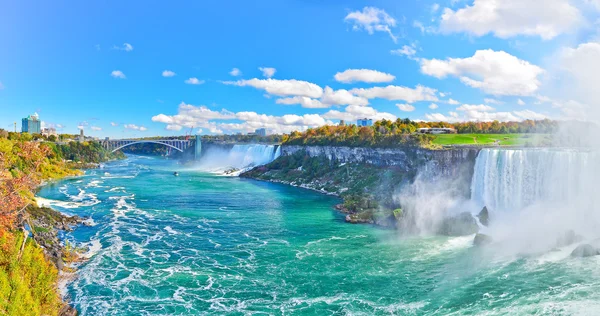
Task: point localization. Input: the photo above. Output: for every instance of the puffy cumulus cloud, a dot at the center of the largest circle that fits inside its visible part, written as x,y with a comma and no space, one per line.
406,50
475,115
405,107
306,102
420,93
521,102
118,74
114,124
135,127
194,81
480,107
341,97
497,73
267,71
95,128
433,106
282,88
453,102
508,18
372,20
570,109
168,73
330,97
125,47
235,72
577,76
354,112
225,121
363,75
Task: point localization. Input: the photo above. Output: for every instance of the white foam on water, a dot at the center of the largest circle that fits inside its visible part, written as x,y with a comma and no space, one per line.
171,230
94,246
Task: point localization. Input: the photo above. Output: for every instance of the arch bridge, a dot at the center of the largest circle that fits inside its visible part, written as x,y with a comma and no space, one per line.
178,144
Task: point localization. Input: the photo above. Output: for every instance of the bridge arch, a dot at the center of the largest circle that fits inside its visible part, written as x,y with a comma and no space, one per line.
146,141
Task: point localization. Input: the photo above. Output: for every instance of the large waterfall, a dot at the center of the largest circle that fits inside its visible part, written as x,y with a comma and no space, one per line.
510,180
231,160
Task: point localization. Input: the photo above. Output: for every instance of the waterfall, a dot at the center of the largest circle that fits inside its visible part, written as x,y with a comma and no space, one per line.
237,158
510,180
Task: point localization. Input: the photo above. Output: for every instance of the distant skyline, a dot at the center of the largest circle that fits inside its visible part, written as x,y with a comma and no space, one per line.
120,69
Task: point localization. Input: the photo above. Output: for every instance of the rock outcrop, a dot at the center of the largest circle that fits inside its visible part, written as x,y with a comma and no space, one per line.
585,250
484,217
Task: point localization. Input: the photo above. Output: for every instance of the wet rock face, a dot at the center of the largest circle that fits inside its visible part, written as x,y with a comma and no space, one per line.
484,217
585,250
462,225
482,240
446,162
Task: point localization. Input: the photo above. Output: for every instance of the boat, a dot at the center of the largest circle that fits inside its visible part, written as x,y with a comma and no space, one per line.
176,174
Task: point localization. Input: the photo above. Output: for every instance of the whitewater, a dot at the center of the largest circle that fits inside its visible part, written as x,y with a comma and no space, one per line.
205,244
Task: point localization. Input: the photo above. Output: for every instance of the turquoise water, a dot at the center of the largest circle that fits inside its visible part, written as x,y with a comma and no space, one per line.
204,244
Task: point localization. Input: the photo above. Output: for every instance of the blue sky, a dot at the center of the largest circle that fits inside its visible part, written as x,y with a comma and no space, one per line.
100,65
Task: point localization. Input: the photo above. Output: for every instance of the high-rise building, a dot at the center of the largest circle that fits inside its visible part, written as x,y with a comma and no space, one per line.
364,122
342,123
81,136
261,132
31,124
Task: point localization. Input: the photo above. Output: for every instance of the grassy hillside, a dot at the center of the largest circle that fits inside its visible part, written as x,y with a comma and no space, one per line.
491,139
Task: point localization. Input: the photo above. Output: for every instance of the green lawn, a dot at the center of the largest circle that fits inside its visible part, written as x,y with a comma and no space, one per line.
490,139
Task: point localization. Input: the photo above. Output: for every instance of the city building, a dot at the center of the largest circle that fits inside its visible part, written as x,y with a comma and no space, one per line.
364,122
49,131
31,124
261,132
342,123
81,136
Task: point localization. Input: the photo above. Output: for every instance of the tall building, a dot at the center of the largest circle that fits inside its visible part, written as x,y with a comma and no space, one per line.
261,132
31,124
364,122
49,131
342,123
81,136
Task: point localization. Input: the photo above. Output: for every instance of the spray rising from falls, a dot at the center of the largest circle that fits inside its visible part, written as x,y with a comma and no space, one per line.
537,196
238,158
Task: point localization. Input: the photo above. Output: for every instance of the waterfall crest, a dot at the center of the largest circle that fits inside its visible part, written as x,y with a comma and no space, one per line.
238,158
510,180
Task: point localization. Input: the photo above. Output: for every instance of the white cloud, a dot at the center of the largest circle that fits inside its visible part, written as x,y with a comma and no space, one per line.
405,107
117,74
135,127
480,107
420,93
126,47
577,80
405,51
424,29
453,102
433,106
354,112
508,18
492,101
341,97
306,102
372,20
168,73
267,71
194,81
363,75
96,128
435,7
476,115
114,124
235,72
520,102
282,88
497,73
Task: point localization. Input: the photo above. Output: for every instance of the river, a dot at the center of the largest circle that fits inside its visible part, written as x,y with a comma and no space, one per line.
206,244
